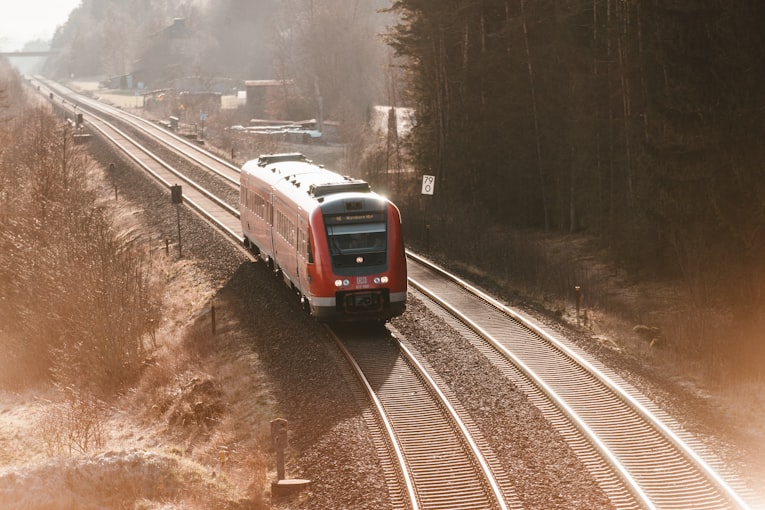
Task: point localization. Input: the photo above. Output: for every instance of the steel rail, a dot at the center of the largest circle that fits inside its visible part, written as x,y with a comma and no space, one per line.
723,487
455,417
129,146
108,131
560,403
447,466
635,404
392,441
157,133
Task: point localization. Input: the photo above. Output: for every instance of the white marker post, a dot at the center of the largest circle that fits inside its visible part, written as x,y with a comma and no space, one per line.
428,187
428,184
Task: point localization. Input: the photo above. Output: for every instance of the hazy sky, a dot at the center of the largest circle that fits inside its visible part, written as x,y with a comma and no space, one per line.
25,20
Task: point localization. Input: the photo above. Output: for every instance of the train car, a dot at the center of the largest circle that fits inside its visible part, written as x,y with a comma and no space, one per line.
336,243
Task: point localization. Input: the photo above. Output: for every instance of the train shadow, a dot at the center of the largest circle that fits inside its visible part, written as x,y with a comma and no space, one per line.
373,348
258,316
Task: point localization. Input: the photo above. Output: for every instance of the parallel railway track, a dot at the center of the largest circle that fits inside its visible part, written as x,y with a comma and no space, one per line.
222,212
638,460
95,111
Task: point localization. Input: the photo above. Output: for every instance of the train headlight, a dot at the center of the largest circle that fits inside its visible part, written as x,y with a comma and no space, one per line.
381,279
338,283
359,260
384,279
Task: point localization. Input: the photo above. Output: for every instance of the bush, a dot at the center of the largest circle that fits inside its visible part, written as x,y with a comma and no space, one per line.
77,424
77,306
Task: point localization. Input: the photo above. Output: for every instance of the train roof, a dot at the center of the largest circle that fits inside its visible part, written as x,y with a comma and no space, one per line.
306,182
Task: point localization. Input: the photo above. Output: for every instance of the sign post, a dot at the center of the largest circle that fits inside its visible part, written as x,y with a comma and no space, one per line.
428,187
113,173
176,197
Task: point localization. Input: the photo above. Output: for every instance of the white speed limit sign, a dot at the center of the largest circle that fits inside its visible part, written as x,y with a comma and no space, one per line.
428,184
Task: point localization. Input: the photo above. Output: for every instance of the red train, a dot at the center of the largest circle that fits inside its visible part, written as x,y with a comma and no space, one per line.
336,243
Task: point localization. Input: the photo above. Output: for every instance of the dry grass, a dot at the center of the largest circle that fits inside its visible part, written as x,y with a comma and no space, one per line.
178,429
76,424
204,393
190,435
116,479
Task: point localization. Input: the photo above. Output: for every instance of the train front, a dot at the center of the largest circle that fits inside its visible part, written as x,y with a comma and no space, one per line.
359,259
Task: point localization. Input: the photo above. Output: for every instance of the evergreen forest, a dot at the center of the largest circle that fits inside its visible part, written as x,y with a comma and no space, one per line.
639,121
639,124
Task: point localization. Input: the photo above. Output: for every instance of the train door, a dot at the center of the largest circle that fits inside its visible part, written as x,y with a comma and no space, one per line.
244,209
270,215
302,250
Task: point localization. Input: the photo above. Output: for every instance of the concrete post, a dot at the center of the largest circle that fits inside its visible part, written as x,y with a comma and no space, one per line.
279,439
282,485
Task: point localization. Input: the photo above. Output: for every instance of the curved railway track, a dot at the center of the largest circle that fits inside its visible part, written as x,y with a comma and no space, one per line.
638,459
443,461
190,150
219,211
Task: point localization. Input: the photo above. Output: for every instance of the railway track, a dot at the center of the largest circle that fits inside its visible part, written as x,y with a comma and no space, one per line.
443,461
222,212
637,458
190,150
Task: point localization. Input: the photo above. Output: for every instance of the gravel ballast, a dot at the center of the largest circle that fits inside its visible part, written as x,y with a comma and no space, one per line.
330,442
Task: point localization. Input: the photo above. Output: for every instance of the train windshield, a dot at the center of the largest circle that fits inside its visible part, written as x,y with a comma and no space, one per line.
357,244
